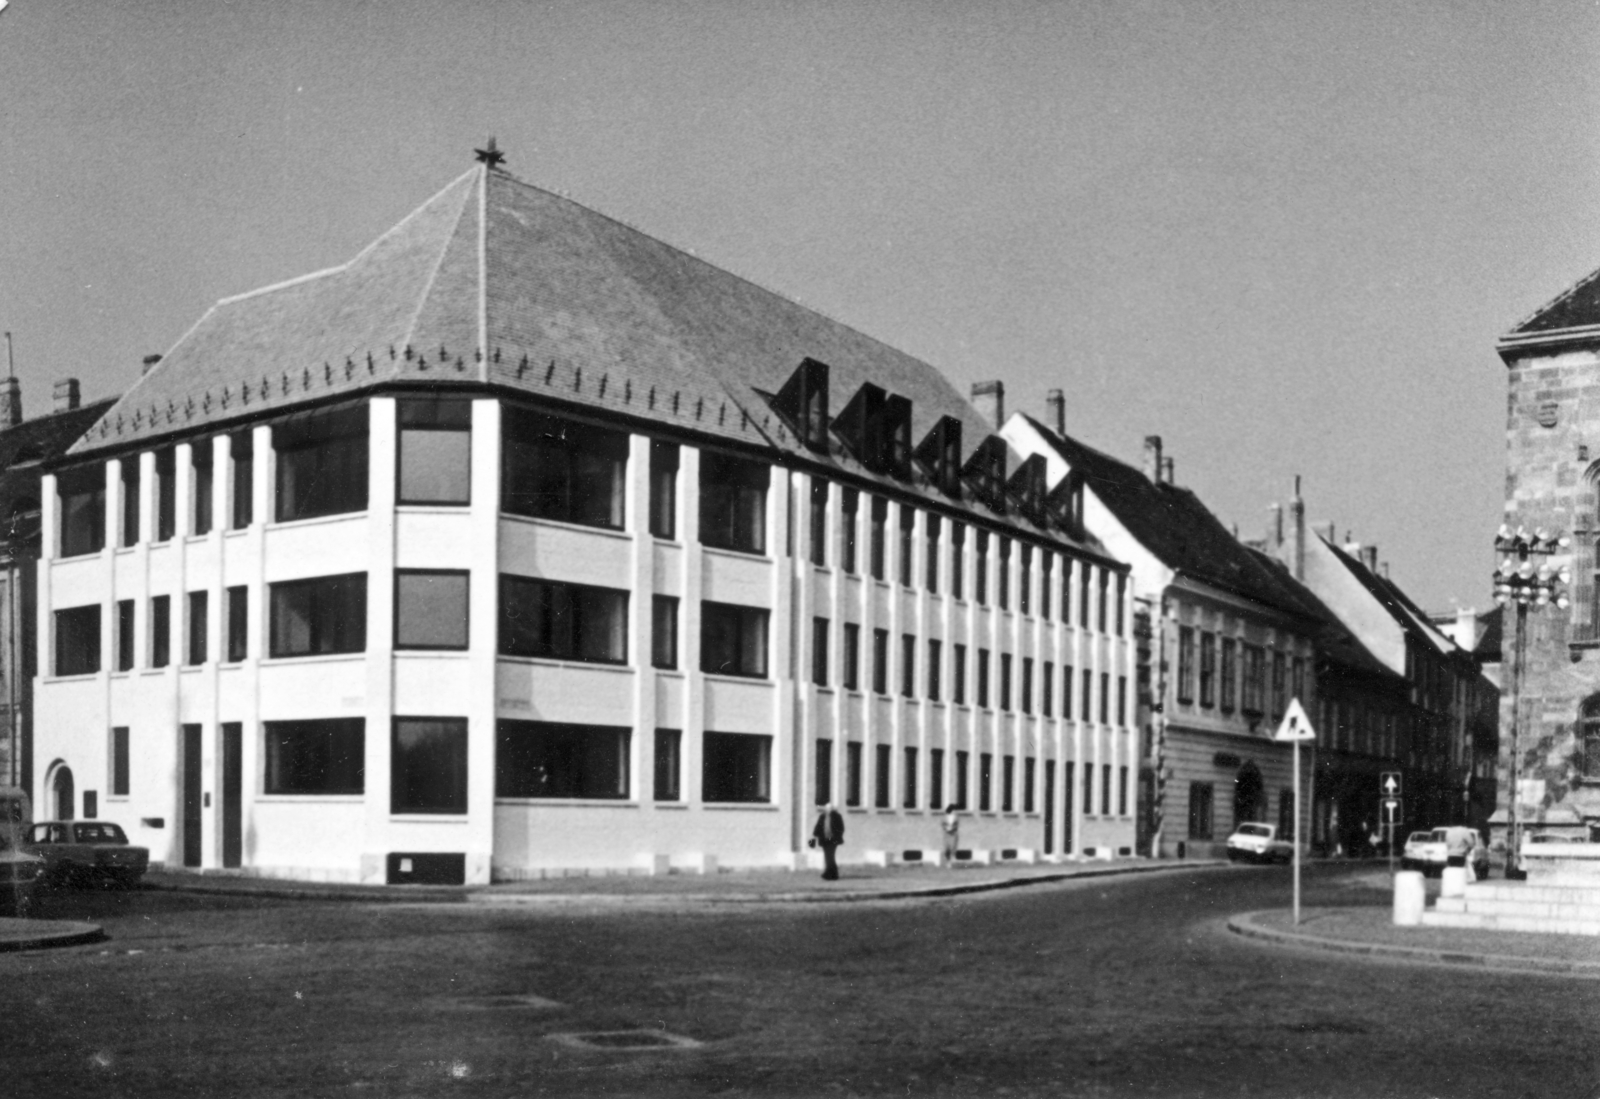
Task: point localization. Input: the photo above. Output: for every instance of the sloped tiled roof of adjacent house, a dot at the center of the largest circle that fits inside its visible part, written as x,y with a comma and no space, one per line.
1334,642
1177,528
40,439
1413,619
1578,306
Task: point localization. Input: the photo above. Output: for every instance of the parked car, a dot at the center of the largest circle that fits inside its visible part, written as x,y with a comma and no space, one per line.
1259,843
19,873
1430,851
86,851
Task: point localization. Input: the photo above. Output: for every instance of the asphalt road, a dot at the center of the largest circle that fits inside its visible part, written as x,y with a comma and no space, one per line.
1108,987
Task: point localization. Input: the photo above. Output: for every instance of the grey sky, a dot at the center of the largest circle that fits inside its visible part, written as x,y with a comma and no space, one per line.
1283,236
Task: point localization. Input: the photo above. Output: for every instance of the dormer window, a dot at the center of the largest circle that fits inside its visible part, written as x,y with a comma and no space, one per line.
1027,488
939,455
1064,504
985,473
897,436
803,404
876,428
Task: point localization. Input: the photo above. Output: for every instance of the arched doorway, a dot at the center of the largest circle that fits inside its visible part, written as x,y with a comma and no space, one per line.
1249,795
62,792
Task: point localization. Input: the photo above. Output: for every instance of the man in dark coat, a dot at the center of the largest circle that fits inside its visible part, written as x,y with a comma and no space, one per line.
828,835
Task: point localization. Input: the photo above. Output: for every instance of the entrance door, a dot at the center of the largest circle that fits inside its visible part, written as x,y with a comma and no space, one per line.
232,815
63,789
191,795
1146,811
1249,795
1066,809
1049,806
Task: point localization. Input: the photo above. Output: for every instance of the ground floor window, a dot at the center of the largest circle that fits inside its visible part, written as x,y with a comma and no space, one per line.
852,773
669,746
1200,794
736,767
325,756
544,759
428,765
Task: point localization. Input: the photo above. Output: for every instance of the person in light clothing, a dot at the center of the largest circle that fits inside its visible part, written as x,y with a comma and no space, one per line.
951,824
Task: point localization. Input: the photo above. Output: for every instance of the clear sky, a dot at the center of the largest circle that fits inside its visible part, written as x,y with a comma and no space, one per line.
1283,236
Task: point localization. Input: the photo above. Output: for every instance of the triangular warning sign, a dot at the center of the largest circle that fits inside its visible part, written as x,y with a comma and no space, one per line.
1295,725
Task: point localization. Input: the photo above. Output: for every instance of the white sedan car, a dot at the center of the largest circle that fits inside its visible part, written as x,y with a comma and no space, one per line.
1259,843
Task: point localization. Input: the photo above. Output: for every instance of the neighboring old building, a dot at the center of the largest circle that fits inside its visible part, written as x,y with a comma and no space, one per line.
24,445
1230,642
524,542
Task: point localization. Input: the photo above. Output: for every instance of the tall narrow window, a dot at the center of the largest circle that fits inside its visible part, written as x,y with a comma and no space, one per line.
1088,695
1230,674
78,641
1279,704
119,761
876,536
1008,783
431,608
166,523
852,774
958,675
1066,690
1122,791
983,678
242,456
322,463
963,777
238,624
1003,573
908,665
435,465
733,502
553,468
664,631
852,656
1200,795
936,778
1029,770
824,771
819,521
1025,579
1105,698
1208,669
931,559
881,777
1105,789
82,496
1101,620
669,765
1122,603
1088,788
1185,664
958,542
980,575
160,631
1047,687
664,491
1122,700
985,782
200,454
880,661
908,522
125,635
1046,567
819,651
1005,681
1084,580
1066,609
1027,685
198,605
849,505
935,663
130,499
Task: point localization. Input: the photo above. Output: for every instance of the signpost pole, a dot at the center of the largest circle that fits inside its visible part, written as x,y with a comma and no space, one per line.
1296,726
1295,824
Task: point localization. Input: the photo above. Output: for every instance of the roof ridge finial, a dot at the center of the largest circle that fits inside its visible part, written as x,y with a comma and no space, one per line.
490,154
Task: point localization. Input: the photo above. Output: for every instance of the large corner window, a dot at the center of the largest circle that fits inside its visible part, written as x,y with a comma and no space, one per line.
322,463
430,609
733,502
543,618
557,469
326,756
82,493
324,615
737,767
542,759
435,465
78,641
733,640
428,765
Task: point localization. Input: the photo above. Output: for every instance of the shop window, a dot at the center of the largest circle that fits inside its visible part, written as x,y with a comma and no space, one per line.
664,631
669,765
78,641
733,640
160,631
543,759
737,767
241,453
201,490
552,468
428,765
82,497
325,756
322,463
663,489
733,502
319,616
430,609
551,620
435,465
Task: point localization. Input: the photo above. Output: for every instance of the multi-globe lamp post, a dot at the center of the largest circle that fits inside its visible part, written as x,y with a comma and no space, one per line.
1521,581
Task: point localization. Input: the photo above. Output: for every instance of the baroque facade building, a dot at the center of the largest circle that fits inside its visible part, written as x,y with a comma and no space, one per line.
523,542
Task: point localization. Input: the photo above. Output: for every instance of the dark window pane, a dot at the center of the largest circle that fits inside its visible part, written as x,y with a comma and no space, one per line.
78,641
200,466
166,494
824,770
538,759
737,767
125,635
160,631
430,609
669,765
324,615
130,500
199,605
238,624
664,631
242,451
82,494
733,502
119,761
322,463
733,640
540,618
663,489
428,765
315,757
557,469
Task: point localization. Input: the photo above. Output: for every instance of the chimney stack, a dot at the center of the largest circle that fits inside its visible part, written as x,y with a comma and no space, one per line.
1056,402
1167,474
149,361
1275,531
989,398
66,394
10,402
1297,533
1152,458
1369,558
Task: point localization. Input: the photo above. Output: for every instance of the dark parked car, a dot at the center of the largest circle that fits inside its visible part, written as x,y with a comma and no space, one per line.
19,872
86,851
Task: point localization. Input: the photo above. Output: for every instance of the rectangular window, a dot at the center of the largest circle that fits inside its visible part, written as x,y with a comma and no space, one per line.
1066,691
1299,680
160,631
542,618
1046,566
326,756
733,502
119,761
78,641
1027,685
1122,791
876,536
327,614
1008,780
1122,603
242,454
322,463
166,523
1088,695
980,576
430,608
1101,606
130,500
983,678
733,640
852,774
125,635
958,693
963,773
1025,580
936,778
1047,689
1105,697
1003,573
1088,789
819,651
1029,766
1279,702
199,604
1105,789
664,631
1200,810
908,522
544,759
1230,674
1005,681
428,765
824,765
881,777
1122,700
880,661
908,665
669,765
1208,669
552,468
664,491
1185,664
1254,673
909,779
985,782
819,521
238,626
1085,580
200,461
1069,791
935,667
931,559
435,464
849,506
852,656
1066,613
81,494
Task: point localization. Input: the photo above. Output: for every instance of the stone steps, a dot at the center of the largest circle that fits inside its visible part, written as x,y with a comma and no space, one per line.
1546,907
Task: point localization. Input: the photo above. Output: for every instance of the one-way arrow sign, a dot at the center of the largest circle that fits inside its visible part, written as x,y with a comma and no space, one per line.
1389,784
1295,726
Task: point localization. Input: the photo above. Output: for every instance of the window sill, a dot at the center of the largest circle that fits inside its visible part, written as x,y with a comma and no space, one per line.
310,799
79,557
434,509
669,804
757,806
80,677
720,677
124,551
737,554
572,803
550,662
313,658
432,654
316,520
429,818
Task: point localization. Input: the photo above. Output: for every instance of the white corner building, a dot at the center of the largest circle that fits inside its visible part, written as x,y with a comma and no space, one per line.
523,543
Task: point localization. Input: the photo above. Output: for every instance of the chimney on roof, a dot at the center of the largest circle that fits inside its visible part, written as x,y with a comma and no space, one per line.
989,398
65,394
149,361
1333,534
1056,402
1369,558
1152,458
10,402
1167,474
1297,533
1275,529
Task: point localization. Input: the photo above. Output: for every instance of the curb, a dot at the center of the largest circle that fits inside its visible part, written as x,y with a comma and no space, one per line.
378,894
1244,925
42,934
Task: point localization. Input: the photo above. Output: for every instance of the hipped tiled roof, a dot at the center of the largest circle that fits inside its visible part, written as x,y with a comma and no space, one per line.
38,440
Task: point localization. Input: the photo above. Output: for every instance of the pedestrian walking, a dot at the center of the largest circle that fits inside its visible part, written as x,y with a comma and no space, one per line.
951,823
828,835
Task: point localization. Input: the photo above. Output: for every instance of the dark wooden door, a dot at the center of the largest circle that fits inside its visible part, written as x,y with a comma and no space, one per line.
1049,806
191,795
232,808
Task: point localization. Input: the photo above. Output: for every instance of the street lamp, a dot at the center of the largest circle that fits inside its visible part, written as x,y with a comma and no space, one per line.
1518,580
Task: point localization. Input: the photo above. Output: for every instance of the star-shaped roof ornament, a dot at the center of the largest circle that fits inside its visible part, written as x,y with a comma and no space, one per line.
490,155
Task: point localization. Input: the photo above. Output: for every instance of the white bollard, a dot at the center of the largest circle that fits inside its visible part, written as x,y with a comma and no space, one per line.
1410,898
1453,882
